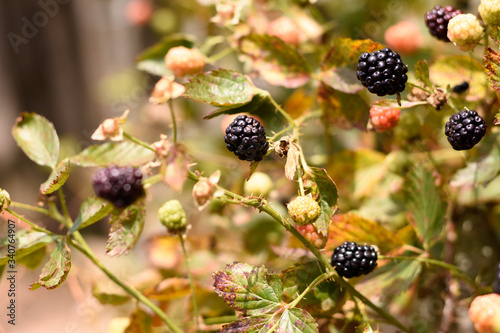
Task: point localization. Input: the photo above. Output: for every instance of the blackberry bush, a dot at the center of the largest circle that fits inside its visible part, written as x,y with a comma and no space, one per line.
437,21
352,260
246,138
465,129
119,185
382,72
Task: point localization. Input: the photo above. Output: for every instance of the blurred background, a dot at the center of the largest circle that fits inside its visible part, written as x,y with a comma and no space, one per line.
73,61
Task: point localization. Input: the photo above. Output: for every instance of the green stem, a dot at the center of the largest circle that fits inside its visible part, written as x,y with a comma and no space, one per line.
288,118
419,87
32,208
64,207
300,180
152,180
139,142
130,290
283,131
313,284
191,283
174,123
28,222
219,55
453,269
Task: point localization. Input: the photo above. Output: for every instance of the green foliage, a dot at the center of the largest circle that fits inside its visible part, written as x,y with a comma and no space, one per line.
25,244
328,196
56,269
92,210
117,153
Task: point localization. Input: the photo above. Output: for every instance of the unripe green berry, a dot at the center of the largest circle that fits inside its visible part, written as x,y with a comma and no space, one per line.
304,210
172,216
258,184
4,200
490,11
465,31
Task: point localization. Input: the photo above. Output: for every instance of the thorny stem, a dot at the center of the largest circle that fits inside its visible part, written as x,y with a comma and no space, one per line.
174,123
313,284
139,142
64,207
453,269
130,290
301,181
28,222
263,206
288,118
191,283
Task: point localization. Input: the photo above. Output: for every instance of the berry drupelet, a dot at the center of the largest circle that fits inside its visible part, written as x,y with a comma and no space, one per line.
382,72
352,260
246,138
460,88
465,129
437,21
119,185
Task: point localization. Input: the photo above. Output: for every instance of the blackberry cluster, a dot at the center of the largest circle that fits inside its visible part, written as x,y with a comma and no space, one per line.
496,287
119,185
460,88
246,138
465,129
437,21
382,72
352,260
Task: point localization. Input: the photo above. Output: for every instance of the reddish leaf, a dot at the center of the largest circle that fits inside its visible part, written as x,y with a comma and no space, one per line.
346,51
492,68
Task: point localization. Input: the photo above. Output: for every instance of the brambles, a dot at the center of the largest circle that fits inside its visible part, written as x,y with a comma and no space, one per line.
246,138
404,38
490,12
304,210
382,72
465,129
183,61
173,216
310,232
352,260
437,21
465,31
119,185
383,118
484,312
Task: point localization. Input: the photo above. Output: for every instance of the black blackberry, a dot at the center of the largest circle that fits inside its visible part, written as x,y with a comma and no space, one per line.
460,88
119,185
465,129
351,260
382,72
246,138
437,21
496,287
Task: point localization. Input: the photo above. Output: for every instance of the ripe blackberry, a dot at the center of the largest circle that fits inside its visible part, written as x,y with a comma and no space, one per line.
119,185
352,260
460,88
465,129
246,138
437,21
382,72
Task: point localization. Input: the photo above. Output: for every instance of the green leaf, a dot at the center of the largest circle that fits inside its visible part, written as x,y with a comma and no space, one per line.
479,172
259,99
37,137
342,79
328,196
57,178
347,51
34,259
249,289
364,328
352,227
323,300
346,111
107,298
425,205
288,321
118,153
453,70
276,61
492,68
56,269
422,73
92,210
126,227
25,243
220,88
140,322
152,60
